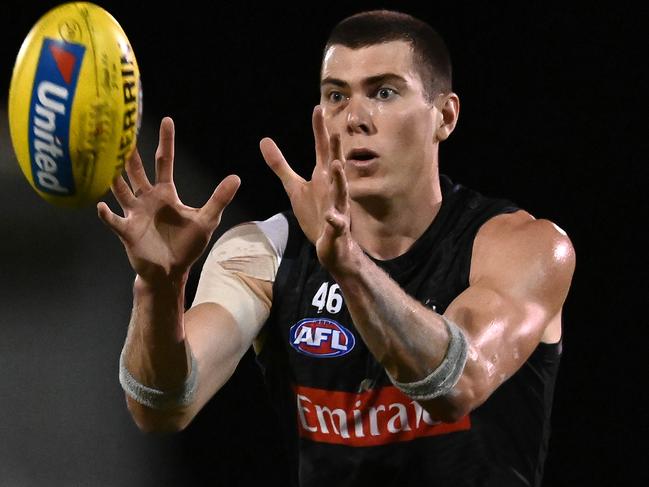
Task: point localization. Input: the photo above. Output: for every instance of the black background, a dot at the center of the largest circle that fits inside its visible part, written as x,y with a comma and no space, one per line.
553,111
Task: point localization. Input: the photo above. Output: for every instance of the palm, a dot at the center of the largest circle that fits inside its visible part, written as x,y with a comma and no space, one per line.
162,236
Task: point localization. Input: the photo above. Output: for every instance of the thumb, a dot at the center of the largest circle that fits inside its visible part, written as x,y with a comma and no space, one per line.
277,163
221,197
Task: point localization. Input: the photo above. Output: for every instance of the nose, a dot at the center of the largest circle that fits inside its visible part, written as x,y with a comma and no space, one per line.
359,117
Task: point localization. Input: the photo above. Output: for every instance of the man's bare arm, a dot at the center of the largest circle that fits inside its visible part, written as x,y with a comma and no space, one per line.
163,238
520,276
212,334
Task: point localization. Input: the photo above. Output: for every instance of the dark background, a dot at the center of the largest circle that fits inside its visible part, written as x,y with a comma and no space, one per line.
552,117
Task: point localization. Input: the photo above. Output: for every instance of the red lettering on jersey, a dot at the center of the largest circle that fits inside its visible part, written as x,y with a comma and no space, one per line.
370,418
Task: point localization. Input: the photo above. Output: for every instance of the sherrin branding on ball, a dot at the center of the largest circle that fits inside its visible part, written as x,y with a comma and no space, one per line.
75,104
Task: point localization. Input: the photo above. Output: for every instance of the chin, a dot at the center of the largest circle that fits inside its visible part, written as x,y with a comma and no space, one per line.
367,189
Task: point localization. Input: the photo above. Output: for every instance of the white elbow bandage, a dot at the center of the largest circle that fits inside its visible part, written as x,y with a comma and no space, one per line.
446,375
157,399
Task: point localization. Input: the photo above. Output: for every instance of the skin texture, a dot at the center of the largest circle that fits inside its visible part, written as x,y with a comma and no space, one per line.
377,141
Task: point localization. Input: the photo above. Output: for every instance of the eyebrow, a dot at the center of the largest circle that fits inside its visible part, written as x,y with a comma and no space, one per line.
372,80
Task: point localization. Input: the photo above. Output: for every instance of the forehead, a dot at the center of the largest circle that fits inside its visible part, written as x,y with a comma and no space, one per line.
344,63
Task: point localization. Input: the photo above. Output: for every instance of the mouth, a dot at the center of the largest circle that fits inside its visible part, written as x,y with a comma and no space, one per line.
360,156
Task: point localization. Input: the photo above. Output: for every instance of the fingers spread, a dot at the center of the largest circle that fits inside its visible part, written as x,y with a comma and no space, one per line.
336,148
275,160
122,193
116,223
136,174
222,196
340,188
321,136
164,156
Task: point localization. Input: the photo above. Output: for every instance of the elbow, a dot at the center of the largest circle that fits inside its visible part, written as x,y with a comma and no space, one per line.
471,391
454,412
452,407
151,425
446,411
156,421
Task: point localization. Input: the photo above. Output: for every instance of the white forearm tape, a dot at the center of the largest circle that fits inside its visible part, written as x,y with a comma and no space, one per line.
155,398
446,375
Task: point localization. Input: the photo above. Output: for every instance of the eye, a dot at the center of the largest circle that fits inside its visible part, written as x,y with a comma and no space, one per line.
385,93
335,97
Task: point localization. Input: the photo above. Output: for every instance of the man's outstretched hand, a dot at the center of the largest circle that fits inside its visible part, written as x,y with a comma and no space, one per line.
308,198
162,236
321,205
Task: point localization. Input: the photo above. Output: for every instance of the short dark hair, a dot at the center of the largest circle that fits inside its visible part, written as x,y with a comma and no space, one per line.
430,53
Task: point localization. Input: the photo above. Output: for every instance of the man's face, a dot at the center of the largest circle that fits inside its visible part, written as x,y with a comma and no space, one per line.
374,99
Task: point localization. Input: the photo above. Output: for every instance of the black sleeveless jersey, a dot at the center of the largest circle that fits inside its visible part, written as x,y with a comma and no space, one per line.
346,424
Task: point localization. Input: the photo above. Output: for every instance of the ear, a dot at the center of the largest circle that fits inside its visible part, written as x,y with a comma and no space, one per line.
448,108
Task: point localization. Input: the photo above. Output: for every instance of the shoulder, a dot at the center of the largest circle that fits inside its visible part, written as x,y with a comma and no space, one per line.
254,238
519,250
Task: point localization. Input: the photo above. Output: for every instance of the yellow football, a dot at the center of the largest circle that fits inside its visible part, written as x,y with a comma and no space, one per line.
75,104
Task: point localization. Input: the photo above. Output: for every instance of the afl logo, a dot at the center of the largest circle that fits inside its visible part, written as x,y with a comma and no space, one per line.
321,337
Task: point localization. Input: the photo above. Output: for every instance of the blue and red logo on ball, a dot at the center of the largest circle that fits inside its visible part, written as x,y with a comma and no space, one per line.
55,83
321,337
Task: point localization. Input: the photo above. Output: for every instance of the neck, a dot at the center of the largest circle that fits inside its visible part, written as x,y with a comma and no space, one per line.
386,228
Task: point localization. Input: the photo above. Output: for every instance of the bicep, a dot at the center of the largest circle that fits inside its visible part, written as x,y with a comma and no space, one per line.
502,331
215,329
219,338
520,278
218,342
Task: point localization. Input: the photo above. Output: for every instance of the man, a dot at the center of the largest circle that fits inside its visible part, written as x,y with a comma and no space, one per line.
409,328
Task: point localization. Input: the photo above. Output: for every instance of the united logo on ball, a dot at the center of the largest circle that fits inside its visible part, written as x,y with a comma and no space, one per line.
75,104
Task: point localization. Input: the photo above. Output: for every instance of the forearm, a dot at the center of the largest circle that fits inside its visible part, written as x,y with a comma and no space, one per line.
156,352
162,337
407,338
410,340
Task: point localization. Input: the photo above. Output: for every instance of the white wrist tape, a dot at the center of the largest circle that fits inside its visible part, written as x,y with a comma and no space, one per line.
154,398
446,375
